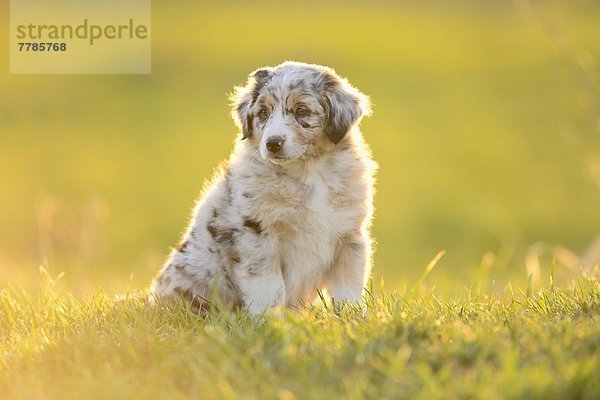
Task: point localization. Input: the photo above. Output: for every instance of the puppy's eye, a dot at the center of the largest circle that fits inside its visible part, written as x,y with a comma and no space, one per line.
263,113
302,111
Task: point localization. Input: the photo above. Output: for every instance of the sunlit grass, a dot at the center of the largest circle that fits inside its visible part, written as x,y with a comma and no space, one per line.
413,344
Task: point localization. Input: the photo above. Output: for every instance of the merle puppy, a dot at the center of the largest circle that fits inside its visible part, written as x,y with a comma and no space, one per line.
290,211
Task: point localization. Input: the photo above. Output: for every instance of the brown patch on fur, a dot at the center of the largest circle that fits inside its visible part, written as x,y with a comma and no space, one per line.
212,230
254,225
223,236
199,304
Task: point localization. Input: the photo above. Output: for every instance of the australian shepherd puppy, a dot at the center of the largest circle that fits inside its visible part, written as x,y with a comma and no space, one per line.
289,213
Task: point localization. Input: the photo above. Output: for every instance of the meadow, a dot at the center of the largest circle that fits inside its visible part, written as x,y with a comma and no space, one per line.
409,345
486,127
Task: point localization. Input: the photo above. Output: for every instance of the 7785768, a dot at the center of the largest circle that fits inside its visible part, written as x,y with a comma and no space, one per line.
47,46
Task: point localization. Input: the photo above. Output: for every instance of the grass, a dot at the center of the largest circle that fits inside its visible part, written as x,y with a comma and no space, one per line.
412,344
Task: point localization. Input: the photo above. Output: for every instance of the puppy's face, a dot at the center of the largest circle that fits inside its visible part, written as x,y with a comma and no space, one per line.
296,111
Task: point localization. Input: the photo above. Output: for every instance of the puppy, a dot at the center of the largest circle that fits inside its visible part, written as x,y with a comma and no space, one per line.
290,212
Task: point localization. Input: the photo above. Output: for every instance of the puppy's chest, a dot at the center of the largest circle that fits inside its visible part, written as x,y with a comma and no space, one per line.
293,206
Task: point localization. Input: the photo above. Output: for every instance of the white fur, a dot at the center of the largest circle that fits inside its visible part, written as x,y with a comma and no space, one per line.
270,232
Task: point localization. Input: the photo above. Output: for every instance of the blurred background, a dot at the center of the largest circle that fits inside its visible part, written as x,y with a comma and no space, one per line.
486,127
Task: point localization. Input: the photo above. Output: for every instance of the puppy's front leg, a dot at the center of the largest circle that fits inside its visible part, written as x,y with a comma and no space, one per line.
350,270
262,287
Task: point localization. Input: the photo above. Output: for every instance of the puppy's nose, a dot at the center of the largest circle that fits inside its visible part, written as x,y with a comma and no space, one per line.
275,143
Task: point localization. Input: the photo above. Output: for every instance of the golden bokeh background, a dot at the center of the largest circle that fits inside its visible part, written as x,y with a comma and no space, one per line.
486,128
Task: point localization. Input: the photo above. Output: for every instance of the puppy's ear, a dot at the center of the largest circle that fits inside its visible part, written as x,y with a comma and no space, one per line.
344,106
243,98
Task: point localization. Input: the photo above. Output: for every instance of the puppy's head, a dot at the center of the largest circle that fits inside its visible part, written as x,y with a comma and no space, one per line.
296,111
